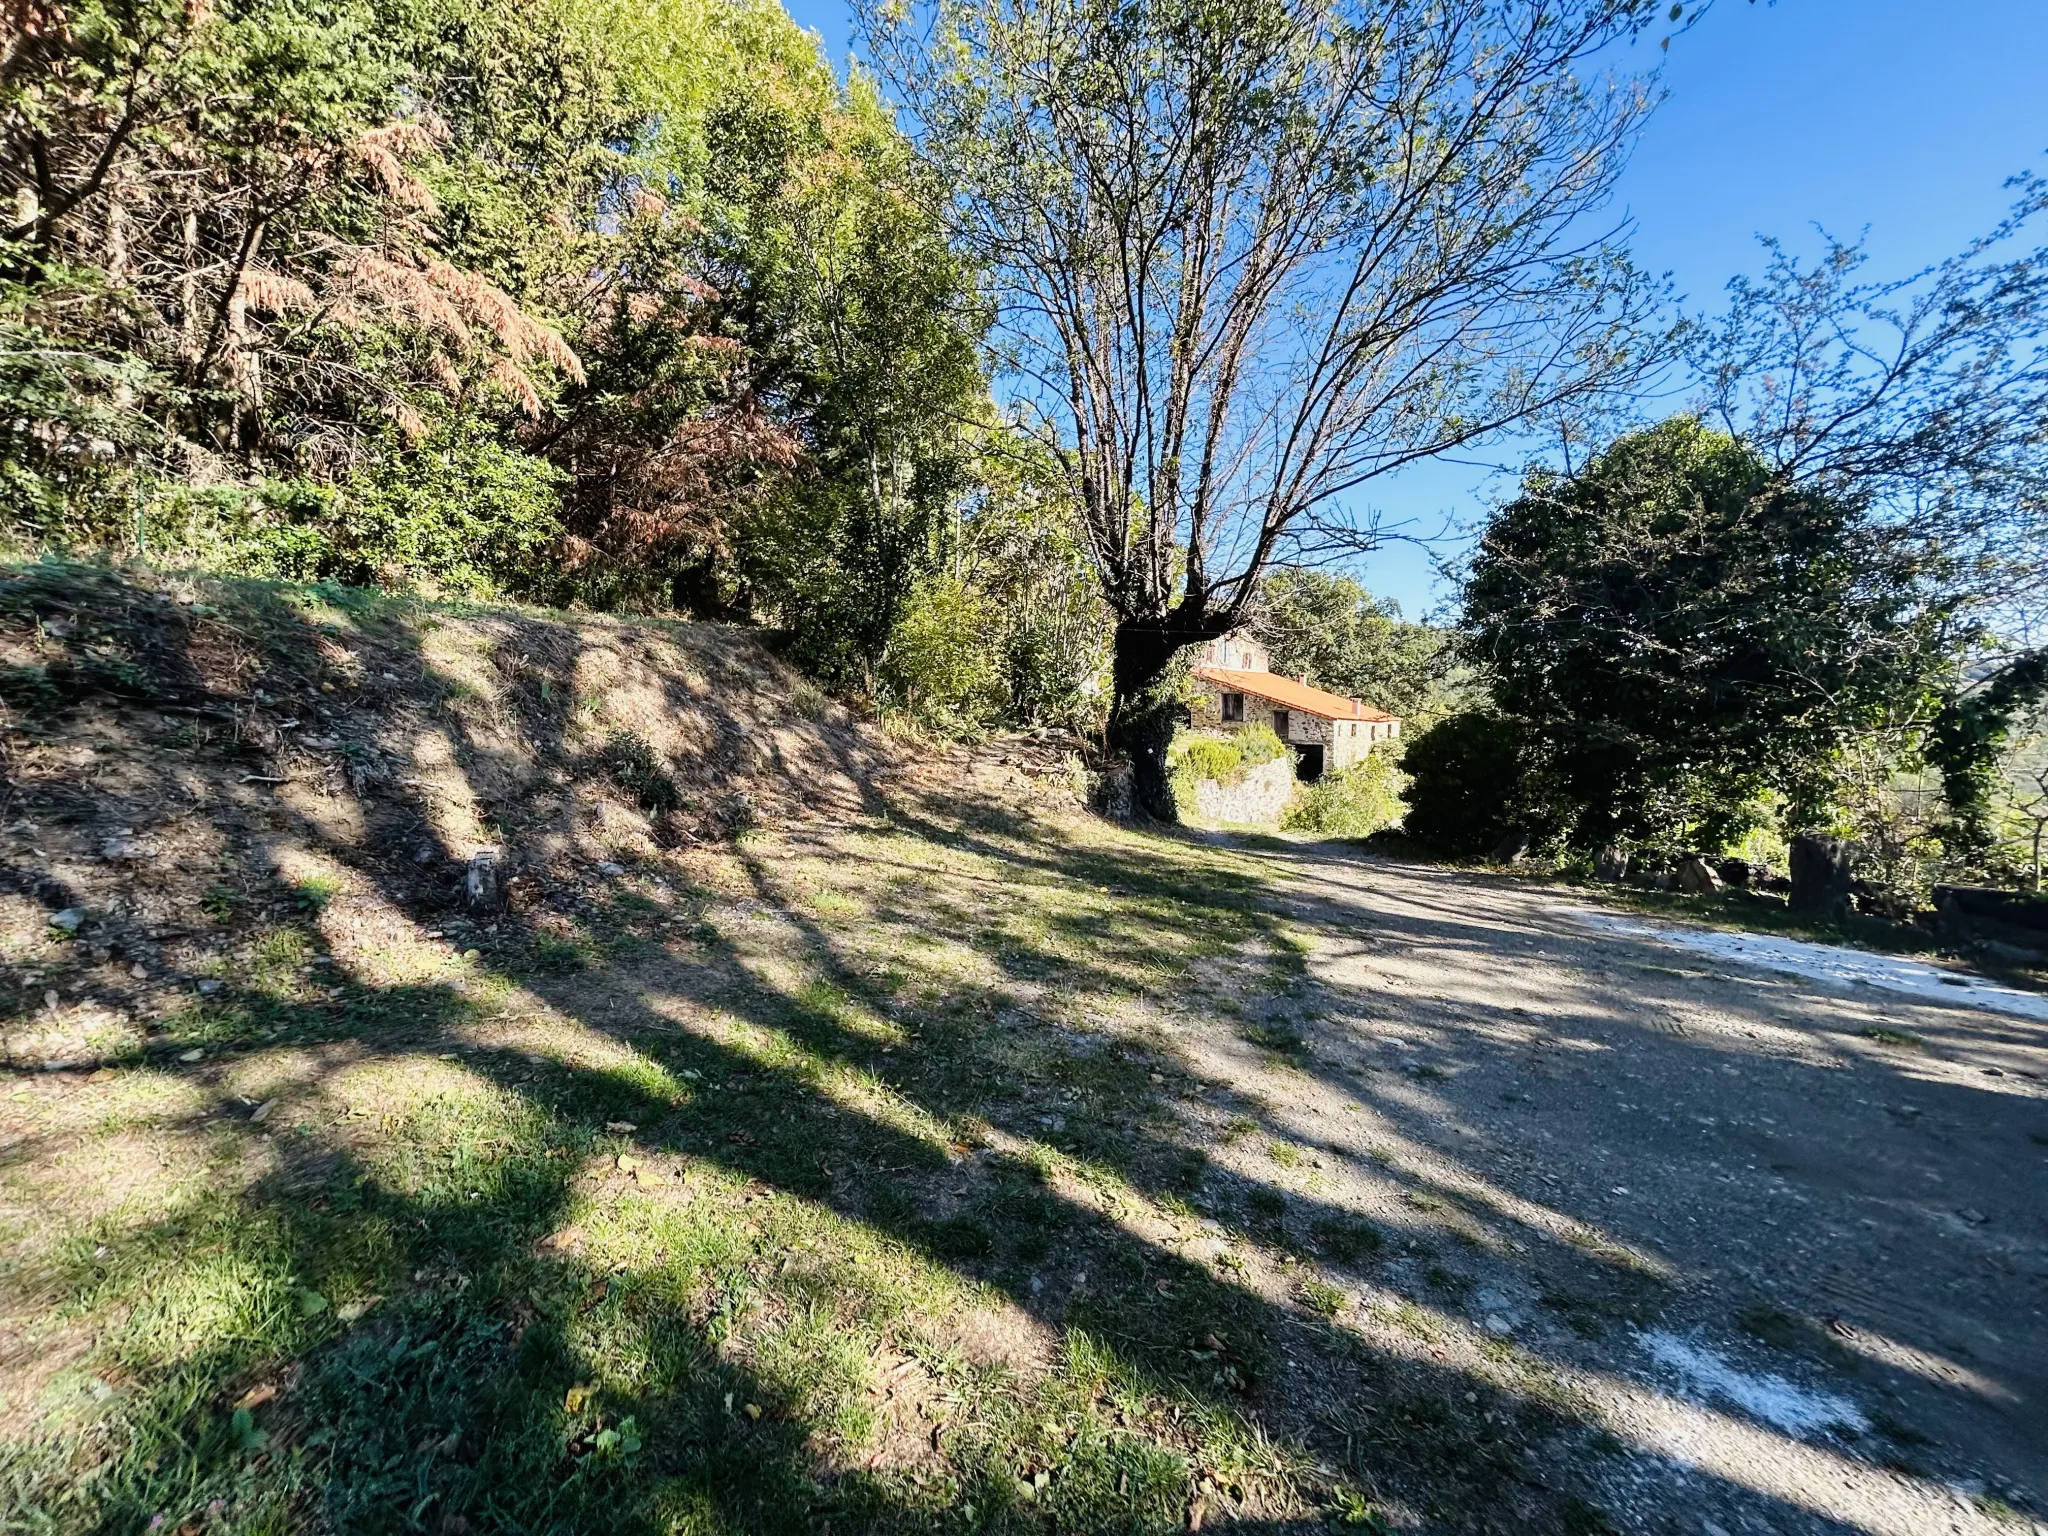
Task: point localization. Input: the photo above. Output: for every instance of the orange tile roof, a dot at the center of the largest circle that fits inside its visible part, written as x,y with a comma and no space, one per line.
1286,691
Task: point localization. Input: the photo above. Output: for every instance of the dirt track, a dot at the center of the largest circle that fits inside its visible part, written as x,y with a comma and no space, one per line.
1691,1186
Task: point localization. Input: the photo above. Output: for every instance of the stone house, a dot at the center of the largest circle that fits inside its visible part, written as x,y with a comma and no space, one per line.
1233,688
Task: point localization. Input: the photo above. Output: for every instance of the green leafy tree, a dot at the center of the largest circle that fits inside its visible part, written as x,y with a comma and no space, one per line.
1923,404
1332,631
1679,632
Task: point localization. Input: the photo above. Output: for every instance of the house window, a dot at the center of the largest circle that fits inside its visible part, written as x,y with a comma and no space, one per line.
1280,723
1233,706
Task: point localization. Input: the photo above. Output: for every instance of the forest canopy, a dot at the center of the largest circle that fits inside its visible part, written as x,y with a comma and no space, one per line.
560,299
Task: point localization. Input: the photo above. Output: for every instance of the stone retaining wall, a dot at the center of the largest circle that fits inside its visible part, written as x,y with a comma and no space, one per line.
1259,799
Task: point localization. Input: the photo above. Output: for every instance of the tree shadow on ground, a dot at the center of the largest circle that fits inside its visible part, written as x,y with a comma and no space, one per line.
776,1223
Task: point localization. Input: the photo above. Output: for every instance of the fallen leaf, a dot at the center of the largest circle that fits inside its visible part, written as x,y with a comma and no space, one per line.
191,1055
753,1410
257,1395
627,1162
742,1139
574,1399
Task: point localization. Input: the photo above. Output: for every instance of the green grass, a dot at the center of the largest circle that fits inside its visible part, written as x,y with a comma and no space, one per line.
466,1299
1898,1037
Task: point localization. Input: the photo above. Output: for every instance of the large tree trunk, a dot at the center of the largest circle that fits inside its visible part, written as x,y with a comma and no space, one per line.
1147,708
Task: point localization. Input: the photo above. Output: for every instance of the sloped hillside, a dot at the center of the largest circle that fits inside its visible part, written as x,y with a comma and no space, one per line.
183,750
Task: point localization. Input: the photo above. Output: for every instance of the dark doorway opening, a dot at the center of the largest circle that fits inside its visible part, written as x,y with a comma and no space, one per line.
1308,763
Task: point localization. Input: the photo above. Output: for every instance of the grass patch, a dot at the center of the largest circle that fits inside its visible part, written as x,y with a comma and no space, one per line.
1277,1038
1320,1296
1899,1037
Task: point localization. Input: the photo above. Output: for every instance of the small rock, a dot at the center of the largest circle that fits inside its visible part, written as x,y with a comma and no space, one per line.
483,884
1708,1528
51,999
262,1112
621,1127
1974,1218
1498,1326
208,987
610,870
70,920
139,971
192,1055
424,854
125,850
1696,877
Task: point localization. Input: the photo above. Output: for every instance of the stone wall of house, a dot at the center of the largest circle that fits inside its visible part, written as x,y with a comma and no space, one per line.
1355,740
1206,713
1259,799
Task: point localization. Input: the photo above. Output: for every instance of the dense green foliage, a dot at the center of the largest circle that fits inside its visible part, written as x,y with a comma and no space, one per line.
1340,637
553,298
1468,777
1681,634
1353,802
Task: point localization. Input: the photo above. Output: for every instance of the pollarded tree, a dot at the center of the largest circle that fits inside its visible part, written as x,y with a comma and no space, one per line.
1253,254
1678,630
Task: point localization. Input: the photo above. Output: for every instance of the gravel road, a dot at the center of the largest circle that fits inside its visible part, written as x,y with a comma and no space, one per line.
1789,1240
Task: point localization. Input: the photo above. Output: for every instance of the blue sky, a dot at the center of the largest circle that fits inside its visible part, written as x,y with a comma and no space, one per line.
1905,116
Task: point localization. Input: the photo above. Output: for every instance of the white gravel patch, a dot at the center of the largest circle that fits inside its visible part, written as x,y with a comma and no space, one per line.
1780,1403
1832,964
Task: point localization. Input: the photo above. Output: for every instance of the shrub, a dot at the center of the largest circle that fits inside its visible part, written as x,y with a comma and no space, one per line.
940,662
462,511
1355,802
636,769
1466,783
